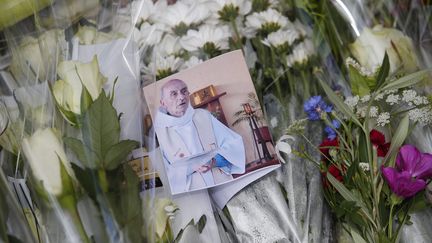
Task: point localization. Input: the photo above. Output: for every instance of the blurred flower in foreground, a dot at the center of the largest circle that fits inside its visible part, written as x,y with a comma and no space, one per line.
88,35
45,154
412,170
37,57
370,46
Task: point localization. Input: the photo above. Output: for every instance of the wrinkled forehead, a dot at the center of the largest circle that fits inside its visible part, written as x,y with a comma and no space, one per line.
173,85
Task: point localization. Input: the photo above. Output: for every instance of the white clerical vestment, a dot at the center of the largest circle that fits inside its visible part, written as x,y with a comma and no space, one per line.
192,140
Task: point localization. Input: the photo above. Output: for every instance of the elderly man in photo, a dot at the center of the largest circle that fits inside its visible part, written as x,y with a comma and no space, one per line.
199,151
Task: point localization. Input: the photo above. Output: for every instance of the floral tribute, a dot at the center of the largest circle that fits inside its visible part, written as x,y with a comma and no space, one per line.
371,180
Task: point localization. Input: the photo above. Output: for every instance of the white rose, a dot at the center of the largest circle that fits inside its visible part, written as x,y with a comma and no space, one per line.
37,56
44,152
67,91
370,46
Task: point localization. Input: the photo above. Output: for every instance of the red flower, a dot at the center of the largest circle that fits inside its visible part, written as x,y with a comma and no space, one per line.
378,141
335,172
326,145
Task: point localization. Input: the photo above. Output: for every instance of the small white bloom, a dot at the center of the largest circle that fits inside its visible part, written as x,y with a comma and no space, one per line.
170,45
243,7
409,96
421,115
88,35
301,53
301,28
193,61
383,119
195,40
361,111
147,10
379,96
420,100
281,37
364,166
373,112
148,35
365,98
352,101
274,122
267,21
161,66
392,99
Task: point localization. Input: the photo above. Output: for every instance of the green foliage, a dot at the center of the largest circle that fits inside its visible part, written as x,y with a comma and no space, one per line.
102,172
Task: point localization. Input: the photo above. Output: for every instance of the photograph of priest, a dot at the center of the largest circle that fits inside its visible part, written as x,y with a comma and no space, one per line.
199,151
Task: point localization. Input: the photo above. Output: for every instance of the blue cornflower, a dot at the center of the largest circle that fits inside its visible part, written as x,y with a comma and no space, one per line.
331,133
315,106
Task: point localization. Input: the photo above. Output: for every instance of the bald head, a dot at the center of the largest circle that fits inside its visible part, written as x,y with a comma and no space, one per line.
175,97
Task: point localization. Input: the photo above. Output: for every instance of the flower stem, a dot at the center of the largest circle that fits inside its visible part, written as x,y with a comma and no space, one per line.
390,224
69,203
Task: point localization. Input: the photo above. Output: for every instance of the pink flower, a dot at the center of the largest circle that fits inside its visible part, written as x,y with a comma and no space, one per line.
412,170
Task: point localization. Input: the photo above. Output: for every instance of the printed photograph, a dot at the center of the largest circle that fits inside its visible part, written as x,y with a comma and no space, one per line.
209,124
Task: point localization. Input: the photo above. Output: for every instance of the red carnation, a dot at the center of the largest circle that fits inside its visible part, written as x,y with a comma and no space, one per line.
335,172
326,145
378,141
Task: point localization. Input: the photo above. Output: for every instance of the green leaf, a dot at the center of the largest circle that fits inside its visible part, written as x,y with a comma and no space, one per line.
100,127
117,153
87,179
359,83
347,195
356,237
407,80
397,140
338,103
111,98
86,99
87,157
383,72
201,223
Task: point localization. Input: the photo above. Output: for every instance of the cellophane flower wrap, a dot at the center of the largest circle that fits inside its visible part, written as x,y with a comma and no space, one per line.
71,116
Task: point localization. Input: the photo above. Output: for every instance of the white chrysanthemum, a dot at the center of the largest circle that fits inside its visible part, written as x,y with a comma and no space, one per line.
193,61
392,99
281,37
207,34
265,22
180,16
228,8
170,45
148,35
161,67
301,53
352,101
302,29
147,10
383,119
